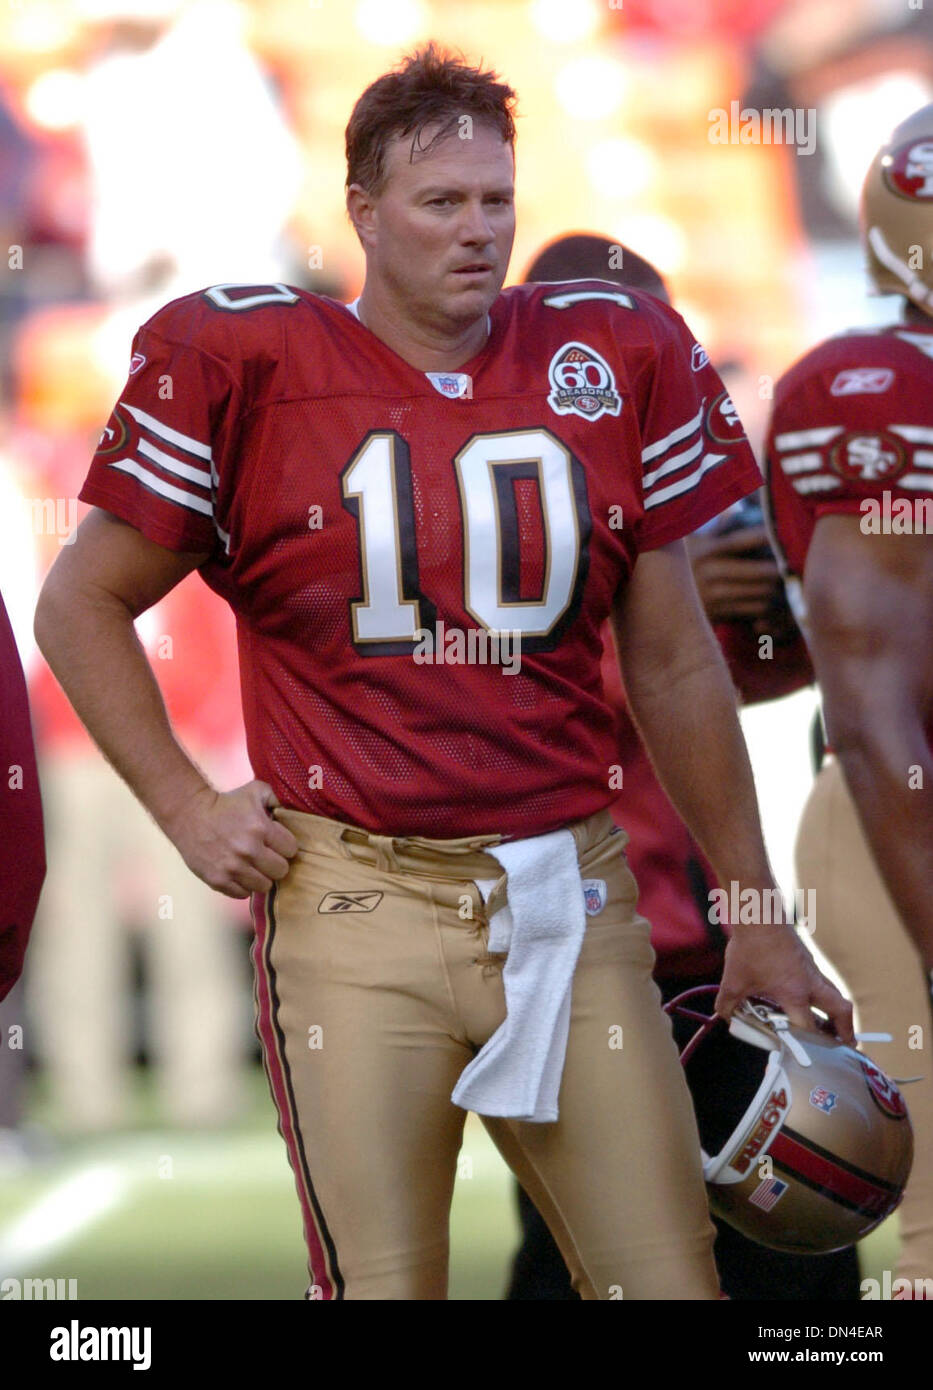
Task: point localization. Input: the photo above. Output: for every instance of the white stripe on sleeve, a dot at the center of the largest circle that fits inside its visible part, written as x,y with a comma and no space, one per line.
159,485
685,484
821,483
662,445
802,463
173,465
914,434
799,439
181,441
673,463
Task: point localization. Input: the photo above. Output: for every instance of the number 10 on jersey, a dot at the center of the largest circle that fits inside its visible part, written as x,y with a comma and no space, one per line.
377,491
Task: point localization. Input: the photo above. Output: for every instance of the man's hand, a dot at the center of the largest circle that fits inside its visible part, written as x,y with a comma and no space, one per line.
734,580
773,961
230,840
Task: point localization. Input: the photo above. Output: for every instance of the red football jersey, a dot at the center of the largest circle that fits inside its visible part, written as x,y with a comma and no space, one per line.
374,527
853,419
22,844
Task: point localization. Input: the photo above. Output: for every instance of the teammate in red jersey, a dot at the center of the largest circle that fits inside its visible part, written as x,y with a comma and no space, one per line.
22,844
387,493
850,477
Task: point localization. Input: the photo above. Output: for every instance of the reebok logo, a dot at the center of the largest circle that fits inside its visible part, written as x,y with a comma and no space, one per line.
349,902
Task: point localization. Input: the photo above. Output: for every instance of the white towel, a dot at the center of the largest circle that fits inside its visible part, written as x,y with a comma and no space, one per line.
517,1072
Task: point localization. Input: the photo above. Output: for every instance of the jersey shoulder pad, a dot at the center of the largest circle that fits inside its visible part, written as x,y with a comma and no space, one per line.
230,322
851,364
607,296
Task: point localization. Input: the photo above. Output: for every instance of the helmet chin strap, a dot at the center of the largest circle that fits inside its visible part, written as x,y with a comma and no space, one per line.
776,1021
914,287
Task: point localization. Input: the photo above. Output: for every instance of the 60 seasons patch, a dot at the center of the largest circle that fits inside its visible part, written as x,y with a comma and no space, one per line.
582,383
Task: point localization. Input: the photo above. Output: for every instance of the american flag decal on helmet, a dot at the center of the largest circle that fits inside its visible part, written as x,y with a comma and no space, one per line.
768,1193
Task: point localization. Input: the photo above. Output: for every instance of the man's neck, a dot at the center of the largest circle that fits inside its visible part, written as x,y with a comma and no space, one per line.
421,348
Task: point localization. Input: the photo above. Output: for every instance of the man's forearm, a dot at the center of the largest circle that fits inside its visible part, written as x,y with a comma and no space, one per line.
691,729
890,777
92,648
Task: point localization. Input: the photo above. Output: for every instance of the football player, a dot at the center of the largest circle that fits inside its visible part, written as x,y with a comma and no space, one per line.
850,477
422,507
740,587
22,845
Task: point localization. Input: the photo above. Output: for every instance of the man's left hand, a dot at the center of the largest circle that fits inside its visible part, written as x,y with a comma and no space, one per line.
773,961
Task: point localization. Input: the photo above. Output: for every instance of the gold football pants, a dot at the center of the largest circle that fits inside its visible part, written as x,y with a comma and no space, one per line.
858,929
374,990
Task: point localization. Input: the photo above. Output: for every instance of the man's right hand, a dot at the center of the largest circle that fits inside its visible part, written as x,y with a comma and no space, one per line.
734,580
230,840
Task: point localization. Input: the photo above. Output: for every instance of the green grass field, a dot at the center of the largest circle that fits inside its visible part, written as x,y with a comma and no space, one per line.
160,1214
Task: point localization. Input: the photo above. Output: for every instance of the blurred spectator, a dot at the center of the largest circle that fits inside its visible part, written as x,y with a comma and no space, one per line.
17,158
194,169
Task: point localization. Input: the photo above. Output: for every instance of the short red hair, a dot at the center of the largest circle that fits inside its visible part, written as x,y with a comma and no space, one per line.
429,87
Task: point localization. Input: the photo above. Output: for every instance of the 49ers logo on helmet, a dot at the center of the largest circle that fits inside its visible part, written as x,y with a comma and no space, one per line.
884,1091
582,383
867,458
909,170
722,420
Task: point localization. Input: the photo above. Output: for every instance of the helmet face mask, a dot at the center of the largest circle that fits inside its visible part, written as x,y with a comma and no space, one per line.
896,212
807,1145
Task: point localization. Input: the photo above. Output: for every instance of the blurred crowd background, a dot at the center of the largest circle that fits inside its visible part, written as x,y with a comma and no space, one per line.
148,149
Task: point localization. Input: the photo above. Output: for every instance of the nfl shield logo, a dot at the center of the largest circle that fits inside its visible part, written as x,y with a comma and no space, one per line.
821,1099
454,385
594,896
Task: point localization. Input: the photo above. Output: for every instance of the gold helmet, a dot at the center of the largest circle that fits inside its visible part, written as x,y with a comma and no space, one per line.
896,212
807,1145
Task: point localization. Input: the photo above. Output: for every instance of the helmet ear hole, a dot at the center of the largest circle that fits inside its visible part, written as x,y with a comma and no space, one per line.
720,1108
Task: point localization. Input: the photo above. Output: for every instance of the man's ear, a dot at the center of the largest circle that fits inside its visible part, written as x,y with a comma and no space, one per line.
361,209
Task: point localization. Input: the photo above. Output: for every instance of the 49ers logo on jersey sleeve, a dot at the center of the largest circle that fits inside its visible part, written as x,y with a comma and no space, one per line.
582,383
909,170
867,458
722,421
115,433
884,1091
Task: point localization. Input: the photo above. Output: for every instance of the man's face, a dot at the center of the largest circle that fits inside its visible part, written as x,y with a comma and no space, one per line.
439,235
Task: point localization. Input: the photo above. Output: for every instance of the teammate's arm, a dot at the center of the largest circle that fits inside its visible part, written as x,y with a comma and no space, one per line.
682,699
84,628
870,618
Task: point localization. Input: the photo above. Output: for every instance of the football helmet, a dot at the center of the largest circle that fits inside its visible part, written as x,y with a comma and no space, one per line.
807,1144
896,212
